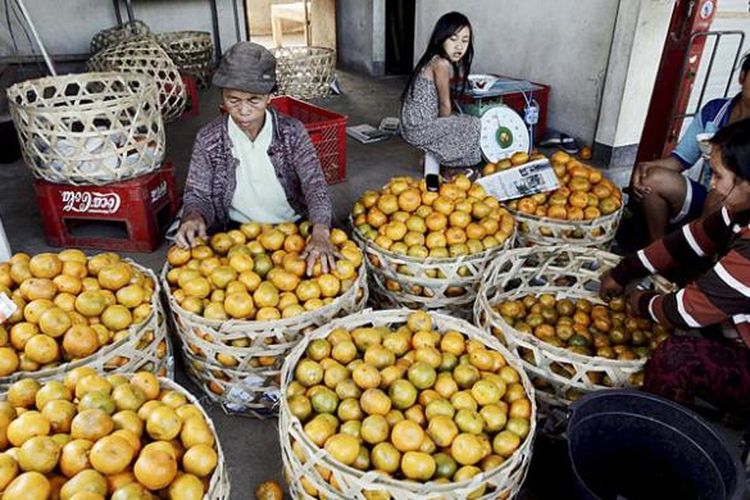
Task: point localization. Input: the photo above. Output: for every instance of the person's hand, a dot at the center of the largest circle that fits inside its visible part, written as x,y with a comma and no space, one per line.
637,182
633,299
609,287
320,248
192,227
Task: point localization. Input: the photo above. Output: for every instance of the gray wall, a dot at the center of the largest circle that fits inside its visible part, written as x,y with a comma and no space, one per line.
562,43
360,32
66,26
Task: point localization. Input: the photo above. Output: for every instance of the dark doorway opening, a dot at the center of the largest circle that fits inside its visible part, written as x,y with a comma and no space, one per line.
399,36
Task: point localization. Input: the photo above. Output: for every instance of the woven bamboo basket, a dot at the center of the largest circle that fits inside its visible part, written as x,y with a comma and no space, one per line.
219,487
145,55
89,128
247,381
117,34
599,232
304,72
191,51
403,281
503,482
145,348
565,271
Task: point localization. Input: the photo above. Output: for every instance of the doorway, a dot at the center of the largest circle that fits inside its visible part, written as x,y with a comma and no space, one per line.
399,36
292,23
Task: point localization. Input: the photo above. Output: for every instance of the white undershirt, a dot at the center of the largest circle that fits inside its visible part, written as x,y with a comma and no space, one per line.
259,196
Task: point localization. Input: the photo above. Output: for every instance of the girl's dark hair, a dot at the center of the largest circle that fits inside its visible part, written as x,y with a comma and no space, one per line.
745,63
446,26
734,141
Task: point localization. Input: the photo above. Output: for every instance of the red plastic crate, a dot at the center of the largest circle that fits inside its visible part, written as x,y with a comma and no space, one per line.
140,209
192,108
327,130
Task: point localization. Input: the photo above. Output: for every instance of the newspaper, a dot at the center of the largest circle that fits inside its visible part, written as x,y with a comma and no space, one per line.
7,307
534,177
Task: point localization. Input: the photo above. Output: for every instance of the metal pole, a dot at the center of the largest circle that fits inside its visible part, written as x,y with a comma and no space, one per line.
215,23
117,12
307,23
129,7
47,60
236,20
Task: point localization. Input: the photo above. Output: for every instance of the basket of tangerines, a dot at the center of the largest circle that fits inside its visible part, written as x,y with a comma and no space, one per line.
126,435
73,310
543,304
428,249
585,210
242,300
405,404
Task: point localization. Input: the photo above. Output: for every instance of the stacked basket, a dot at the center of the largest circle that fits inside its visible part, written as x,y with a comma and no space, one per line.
89,128
117,34
304,72
144,55
245,379
571,272
191,51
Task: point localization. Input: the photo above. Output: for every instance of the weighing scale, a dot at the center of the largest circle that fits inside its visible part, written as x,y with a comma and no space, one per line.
503,131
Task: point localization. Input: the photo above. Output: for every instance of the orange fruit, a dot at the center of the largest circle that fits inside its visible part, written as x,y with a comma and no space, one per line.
407,436
87,484
111,454
418,466
155,469
115,276
80,341
591,213
32,485
200,460
91,424
45,265
579,199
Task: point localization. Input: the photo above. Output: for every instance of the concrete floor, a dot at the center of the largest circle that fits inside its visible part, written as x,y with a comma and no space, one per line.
251,446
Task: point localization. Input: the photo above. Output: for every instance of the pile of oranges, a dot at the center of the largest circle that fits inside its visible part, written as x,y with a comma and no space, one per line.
607,331
518,158
257,273
94,437
584,195
407,219
68,307
410,402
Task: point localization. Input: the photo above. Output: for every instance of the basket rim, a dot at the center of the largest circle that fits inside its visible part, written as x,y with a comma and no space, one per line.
569,224
369,316
223,326
148,85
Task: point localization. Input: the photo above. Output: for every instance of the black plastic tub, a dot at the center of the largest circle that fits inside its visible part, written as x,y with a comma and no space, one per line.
625,444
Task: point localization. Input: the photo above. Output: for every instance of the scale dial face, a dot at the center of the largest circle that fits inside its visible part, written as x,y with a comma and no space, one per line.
503,133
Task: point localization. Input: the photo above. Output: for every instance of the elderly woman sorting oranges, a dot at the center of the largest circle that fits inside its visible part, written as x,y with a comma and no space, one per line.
255,165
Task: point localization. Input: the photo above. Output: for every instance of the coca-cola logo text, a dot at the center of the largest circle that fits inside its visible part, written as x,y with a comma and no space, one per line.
90,202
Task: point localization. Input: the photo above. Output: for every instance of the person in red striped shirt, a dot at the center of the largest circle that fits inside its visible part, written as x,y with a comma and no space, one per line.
713,368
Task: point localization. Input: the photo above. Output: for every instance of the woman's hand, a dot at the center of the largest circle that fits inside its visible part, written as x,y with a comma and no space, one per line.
609,287
192,227
320,248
